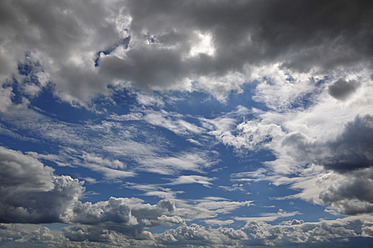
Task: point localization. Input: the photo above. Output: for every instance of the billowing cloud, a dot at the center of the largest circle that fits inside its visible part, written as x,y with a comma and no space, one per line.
354,148
82,48
123,215
31,193
342,232
260,234
351,150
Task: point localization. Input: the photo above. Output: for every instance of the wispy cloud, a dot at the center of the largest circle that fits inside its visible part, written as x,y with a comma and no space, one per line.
205,181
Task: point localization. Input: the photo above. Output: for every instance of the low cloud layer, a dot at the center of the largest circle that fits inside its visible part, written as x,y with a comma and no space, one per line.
258,234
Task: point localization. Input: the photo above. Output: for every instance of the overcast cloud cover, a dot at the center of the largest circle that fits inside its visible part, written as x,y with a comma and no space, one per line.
186,123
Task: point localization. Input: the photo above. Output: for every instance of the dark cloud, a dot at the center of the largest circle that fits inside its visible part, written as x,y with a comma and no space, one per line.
67,36
56,34
351,155
30,192
301,36
353,196
342,89
353,149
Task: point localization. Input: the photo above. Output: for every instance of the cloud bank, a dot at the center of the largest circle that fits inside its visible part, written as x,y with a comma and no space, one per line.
84,47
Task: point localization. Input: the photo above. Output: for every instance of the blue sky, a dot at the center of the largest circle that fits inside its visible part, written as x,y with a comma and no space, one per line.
177,124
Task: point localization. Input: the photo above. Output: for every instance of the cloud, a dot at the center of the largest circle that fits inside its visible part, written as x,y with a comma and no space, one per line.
264,217
341,89
31,193
341,232
168,165
353,149
260,234
124,215
208,207
173,122
171,47
322,145
218,222
110,169
154,190
205,181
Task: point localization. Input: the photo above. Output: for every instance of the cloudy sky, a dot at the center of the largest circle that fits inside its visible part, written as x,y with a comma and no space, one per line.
186,123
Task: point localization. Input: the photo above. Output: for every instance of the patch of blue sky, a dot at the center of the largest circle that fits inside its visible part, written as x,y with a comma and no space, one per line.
24,140
121,101
51,106
198,103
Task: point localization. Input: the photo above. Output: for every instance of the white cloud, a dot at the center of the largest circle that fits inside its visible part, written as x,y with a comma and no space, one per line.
154,190
208,207
173,122
264,217
205,181
218,222
110,168
168,165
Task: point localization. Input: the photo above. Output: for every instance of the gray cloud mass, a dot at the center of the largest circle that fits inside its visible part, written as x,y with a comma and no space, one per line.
341,89
30,192
227,37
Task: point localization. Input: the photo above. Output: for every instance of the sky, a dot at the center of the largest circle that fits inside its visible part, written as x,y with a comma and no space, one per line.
186,123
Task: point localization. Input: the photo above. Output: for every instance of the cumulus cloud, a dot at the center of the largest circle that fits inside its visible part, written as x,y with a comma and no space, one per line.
342,232
124,215
31,193
260,234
